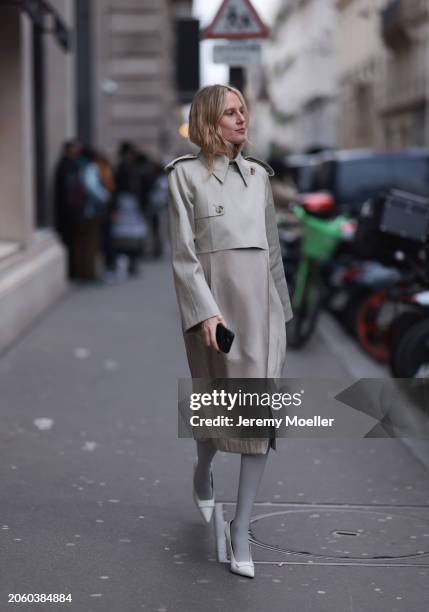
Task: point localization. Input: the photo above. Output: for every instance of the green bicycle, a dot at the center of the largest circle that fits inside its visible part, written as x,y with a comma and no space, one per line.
319,241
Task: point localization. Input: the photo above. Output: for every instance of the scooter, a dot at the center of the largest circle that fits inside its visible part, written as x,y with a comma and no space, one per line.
373,286
409,354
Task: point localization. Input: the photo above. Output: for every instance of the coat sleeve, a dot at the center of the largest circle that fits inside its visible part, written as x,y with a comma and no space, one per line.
195,300
276,263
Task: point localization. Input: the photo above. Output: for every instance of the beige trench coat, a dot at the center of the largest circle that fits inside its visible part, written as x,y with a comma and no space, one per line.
226,260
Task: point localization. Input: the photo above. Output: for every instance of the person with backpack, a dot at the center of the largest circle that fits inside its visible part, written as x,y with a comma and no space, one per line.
129,227
90,216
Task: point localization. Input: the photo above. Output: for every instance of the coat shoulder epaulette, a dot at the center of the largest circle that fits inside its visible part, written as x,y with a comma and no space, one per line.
171,165
267,167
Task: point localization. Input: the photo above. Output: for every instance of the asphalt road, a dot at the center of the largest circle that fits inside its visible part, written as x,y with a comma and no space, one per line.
96,486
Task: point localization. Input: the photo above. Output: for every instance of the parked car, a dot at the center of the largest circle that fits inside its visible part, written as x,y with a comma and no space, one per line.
302,168
353,176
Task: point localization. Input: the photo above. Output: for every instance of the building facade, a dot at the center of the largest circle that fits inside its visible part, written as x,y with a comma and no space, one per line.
103,71
403,105
134,79
36,115
299,80
383,73
359,65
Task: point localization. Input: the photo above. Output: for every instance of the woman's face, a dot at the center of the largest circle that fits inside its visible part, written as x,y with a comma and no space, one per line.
233,121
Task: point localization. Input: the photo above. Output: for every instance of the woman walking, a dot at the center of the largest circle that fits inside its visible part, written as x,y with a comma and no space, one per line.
227,269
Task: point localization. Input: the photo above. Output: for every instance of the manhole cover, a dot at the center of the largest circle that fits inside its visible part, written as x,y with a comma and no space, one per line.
334,533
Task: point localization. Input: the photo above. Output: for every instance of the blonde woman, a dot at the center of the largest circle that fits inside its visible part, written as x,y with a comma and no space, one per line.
227,269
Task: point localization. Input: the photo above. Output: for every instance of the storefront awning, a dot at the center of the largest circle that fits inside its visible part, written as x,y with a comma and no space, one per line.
45,17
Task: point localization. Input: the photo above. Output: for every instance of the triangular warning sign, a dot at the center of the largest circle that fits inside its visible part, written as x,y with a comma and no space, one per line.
236,19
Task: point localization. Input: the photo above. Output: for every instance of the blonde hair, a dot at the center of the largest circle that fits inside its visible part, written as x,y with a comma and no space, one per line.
207,109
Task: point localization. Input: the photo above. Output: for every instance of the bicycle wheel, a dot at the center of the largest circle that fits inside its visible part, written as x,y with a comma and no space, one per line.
305,314
373,326
349,312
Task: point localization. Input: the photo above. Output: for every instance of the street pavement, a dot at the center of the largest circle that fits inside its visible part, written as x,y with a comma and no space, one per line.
96,486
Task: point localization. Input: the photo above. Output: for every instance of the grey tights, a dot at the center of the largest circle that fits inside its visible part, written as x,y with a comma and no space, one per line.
251,470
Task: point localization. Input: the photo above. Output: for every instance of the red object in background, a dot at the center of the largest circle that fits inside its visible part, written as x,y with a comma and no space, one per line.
318,202
373,335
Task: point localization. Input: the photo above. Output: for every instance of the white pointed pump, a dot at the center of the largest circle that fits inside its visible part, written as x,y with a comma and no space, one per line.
243,568
205,506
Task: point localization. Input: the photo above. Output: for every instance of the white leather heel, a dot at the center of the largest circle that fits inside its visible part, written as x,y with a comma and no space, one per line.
243,568
205,506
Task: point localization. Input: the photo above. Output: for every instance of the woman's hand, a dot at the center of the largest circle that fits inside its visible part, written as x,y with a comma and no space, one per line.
207,331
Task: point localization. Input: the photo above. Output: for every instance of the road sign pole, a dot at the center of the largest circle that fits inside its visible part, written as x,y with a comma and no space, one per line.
238,22
237,77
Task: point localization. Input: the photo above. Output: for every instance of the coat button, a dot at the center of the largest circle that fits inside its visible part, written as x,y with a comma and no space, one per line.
219,209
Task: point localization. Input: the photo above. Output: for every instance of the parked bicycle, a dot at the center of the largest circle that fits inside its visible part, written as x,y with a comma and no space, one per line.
320,238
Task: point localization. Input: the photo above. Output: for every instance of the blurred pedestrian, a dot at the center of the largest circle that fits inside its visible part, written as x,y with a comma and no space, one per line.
108,181
127,172
129,228
68,196
145,170
88,225
156,206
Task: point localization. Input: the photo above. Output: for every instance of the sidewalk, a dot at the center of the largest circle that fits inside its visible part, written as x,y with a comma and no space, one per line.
96,487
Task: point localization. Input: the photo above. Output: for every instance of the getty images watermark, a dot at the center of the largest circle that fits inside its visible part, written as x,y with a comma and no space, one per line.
245,399
303,407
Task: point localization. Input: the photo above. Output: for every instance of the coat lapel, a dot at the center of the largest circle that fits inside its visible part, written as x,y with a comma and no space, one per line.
221,165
